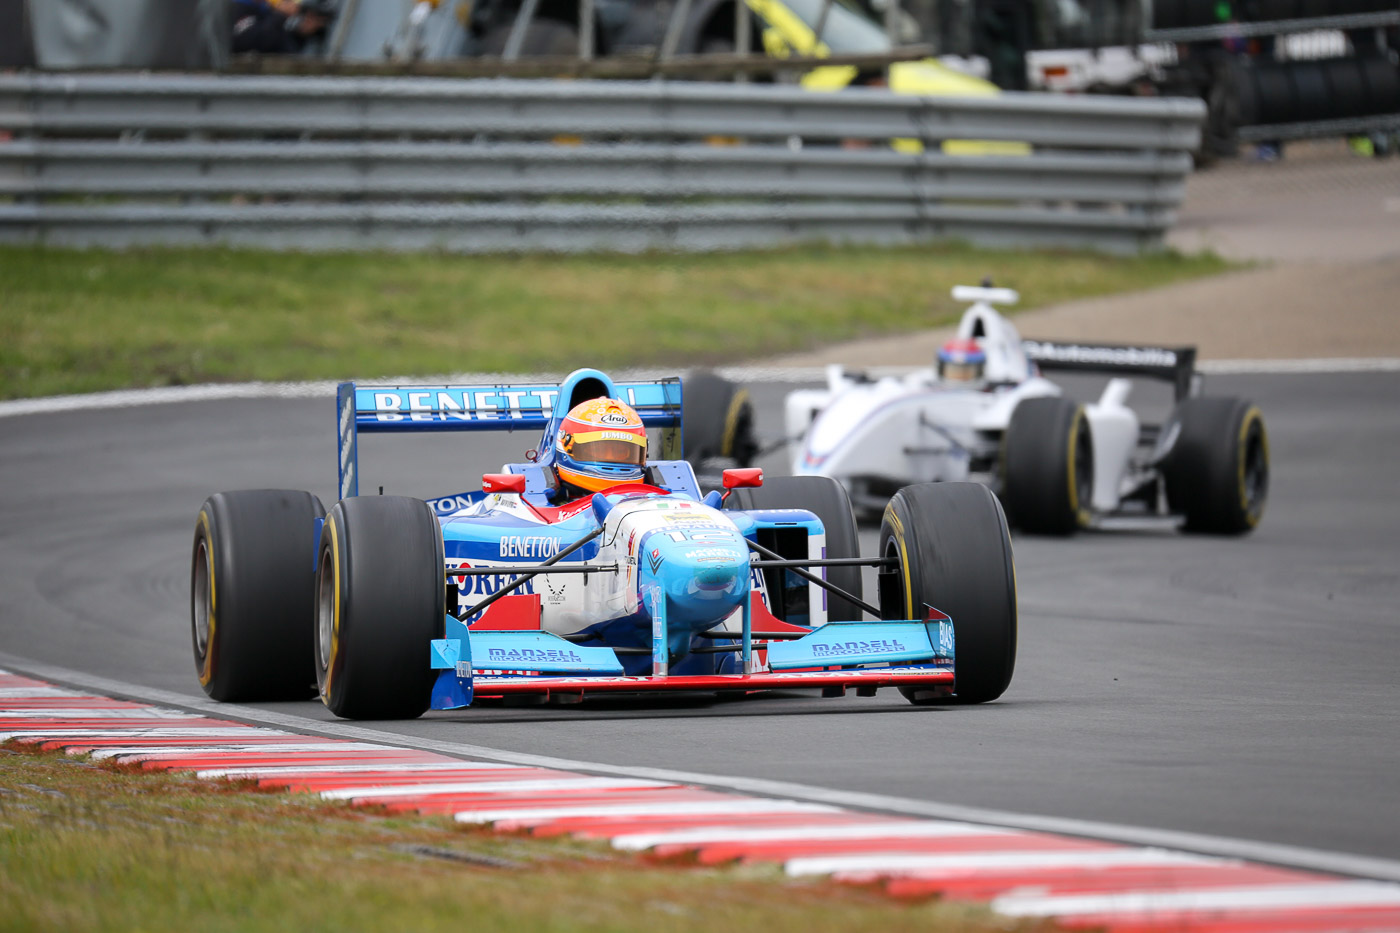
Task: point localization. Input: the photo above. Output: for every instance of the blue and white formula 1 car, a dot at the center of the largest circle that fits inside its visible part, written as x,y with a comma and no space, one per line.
392,605
987,414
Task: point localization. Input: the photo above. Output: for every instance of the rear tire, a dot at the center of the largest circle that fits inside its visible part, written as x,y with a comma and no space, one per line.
827,499
718,420
380,599
1217,469
953,553
252,595
1048,466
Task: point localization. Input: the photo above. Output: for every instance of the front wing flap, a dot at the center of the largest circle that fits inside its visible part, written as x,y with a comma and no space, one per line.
497,664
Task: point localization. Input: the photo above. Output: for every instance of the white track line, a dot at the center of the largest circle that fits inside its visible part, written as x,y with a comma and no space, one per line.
888,830
1244,898
155,732
97,712
967,862
1380,364
132,398
37,693
462,788
736,807
1274,853
157,752
387,767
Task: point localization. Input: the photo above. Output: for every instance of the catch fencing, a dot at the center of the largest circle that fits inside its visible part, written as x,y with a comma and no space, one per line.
493,165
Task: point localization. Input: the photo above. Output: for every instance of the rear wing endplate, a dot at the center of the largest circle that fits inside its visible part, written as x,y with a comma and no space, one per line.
396,408
1176,365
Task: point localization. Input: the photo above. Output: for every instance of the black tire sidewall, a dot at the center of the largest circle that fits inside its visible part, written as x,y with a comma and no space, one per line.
717,419
260,547
1204,469
955,555
386,556
1040,453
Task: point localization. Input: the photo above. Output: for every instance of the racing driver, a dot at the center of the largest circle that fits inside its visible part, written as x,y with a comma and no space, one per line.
961,361
601,443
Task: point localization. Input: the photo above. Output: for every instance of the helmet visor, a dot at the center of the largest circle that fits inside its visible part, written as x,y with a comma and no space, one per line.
591,448
960,372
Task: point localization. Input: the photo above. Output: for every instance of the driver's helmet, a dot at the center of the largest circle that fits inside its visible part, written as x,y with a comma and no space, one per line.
601,443
961,360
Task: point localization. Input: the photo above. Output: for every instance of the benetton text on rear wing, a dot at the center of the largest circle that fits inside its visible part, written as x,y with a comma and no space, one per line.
1176,365
371,409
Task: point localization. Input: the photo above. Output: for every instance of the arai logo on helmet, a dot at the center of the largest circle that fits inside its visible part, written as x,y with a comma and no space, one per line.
614,416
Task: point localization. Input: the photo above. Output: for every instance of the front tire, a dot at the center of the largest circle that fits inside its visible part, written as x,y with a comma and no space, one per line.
953,553
380,599
1217,469
827,499
252,594
718,420
1048,466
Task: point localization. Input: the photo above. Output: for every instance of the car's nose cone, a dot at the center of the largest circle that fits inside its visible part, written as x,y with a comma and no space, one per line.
705,570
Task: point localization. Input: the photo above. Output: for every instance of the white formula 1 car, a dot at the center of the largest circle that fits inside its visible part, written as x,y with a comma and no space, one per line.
1056,464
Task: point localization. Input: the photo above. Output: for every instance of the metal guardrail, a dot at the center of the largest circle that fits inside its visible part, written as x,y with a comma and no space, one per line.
496,165
1245,30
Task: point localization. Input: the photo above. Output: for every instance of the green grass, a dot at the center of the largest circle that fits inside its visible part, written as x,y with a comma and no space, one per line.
96,847
78,321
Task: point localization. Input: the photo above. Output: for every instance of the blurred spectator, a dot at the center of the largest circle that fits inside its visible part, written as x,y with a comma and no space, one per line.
1003,36
277,26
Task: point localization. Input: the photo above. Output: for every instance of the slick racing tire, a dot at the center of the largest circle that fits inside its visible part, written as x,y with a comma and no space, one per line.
827,499
252,595
1047,466
952,552
718,420
1217,468
380,599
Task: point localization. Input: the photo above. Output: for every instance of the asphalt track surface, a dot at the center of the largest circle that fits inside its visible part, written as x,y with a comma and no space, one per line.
1241,687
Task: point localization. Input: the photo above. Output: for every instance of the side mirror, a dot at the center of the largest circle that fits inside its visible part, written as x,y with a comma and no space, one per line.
503,482
740,479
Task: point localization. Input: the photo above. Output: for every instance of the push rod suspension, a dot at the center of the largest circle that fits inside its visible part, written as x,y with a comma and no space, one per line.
813,578
828,562
532,573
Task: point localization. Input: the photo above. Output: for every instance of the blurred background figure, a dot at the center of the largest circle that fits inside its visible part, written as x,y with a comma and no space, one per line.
277,26
178,34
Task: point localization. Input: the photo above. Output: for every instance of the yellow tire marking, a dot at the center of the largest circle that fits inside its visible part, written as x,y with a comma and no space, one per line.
335,610
898,528
1079,518
206,672
1250,416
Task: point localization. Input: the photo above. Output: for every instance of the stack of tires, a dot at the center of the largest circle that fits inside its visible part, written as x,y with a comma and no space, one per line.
1271,93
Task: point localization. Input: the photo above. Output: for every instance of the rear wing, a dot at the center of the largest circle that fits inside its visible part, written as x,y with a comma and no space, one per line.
1176,365
500,407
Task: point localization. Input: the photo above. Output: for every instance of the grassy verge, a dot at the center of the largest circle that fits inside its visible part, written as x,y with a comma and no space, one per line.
78,321
89,847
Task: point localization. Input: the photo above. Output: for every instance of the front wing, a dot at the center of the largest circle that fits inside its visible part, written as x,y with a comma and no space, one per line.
929,675
836,656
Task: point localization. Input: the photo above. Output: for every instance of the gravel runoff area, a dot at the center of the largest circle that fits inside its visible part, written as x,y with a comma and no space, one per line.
1321,229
